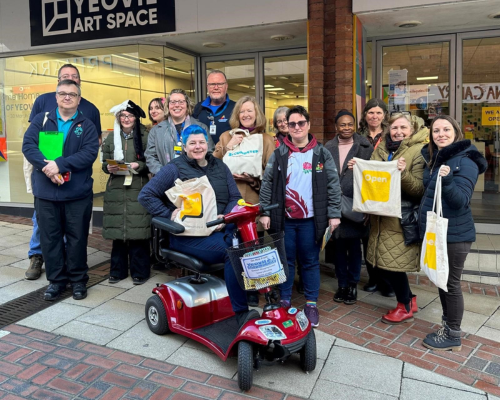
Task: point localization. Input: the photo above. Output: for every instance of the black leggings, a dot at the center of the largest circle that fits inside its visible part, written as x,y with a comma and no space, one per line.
453,300
400,284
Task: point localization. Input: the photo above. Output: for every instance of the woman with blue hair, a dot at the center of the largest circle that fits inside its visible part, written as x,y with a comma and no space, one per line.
196,162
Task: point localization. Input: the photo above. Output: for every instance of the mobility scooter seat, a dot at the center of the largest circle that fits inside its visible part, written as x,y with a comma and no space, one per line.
186,261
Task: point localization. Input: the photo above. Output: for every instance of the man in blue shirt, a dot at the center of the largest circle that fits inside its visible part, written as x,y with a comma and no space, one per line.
63,190
44,103
215,111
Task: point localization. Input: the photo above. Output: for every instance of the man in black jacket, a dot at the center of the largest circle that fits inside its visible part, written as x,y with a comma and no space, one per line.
217,108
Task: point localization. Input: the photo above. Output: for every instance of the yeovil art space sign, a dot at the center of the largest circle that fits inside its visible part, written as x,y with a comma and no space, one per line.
62,21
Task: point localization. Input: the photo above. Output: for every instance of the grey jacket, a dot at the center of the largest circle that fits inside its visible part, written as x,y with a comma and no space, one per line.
161,141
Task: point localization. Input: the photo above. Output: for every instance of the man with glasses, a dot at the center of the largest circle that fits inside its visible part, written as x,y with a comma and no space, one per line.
63,188
45,103
217,108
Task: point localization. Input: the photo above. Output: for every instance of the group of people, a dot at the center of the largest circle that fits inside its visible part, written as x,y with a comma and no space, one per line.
311,183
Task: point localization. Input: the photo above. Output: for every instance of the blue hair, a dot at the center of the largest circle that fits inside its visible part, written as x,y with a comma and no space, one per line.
193,130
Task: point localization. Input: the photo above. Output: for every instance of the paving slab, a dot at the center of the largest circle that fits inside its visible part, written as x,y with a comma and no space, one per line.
97,258
141,293
488,262
21,227
6,231
90,333
480,304
472,262
14,240
24,264
419,374
115,314
378,300
126,283
418,390
337,391
285,377
494,320
6,260
489,333
9,275
363,370
324,343
19,251
348,345
91,250
204,362
53,317
141,341
18,289
472,322
96,296
424,297
433,312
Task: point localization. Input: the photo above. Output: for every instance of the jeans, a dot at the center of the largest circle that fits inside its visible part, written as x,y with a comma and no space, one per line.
35,247
212,250
453,300
300,241
347,261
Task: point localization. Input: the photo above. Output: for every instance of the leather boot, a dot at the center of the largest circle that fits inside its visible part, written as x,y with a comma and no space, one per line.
449,340
414,307
398,316
35,269
352,295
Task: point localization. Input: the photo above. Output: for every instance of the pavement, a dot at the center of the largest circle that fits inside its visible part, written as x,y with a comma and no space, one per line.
101,347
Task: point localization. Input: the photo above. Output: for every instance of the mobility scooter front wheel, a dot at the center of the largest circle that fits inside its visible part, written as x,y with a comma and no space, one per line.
308,353
245,365
156,316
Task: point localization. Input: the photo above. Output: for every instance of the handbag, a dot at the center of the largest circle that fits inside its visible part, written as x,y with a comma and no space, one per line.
409,222
247,156
348,213
434,255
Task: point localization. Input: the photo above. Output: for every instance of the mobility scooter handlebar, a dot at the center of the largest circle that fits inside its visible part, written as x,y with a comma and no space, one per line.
256,212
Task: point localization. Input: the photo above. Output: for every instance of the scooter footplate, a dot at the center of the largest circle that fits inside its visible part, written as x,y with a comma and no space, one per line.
221,333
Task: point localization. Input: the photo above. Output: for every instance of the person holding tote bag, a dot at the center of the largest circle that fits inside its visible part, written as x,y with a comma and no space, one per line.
459,164
344,146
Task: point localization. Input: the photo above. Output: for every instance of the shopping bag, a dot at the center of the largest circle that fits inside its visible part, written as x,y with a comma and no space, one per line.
377,188
247,156
196,200
434,254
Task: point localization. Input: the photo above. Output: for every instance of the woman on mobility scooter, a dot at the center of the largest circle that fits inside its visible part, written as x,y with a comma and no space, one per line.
196,162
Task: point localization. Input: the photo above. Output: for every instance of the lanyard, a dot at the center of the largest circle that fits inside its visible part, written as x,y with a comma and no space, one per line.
182,128
211,117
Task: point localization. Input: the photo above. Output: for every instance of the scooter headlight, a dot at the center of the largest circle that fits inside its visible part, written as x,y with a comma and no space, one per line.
272,332
302,320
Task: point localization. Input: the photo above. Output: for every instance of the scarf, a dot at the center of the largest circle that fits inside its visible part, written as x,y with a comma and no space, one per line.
187,122
390,144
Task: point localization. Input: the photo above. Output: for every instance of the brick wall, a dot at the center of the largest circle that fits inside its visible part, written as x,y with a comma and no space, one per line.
330,60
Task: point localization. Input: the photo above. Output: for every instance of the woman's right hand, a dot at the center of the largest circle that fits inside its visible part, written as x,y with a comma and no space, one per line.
174,213
235,141
265,221
351,163
112,168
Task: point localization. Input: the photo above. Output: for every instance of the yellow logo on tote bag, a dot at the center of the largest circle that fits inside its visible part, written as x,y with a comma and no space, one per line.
376,186
430,250
192,206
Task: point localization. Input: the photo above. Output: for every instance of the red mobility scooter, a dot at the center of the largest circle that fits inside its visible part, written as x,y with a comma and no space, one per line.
198,306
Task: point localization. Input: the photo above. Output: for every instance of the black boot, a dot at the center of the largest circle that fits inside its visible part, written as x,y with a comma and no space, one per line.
449,340
371,286
352,295
340,294
253,298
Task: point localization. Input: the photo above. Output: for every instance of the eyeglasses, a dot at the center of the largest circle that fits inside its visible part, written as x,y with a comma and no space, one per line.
282,122
127,116
175,102
299,124
219,84
64,95
63,77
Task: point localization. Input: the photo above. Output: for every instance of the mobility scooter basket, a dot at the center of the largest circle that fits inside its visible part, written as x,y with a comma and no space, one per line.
260,263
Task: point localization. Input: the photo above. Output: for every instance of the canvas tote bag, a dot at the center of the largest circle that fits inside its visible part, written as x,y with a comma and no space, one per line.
434,255
196,199
377,188
247,156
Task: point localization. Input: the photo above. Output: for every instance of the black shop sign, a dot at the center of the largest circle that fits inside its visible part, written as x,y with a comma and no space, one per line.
61,21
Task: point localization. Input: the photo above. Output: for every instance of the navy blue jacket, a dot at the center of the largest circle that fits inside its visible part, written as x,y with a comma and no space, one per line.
203,113
466,163
79,153
47,102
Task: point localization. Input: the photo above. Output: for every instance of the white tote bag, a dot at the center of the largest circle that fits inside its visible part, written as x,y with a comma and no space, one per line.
196,199
434,255
377,188
247,156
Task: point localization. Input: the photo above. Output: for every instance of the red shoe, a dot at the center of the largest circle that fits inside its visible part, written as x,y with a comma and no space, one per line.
398,316
414,307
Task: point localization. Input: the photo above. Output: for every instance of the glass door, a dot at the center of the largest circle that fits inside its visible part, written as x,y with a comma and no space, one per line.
417,76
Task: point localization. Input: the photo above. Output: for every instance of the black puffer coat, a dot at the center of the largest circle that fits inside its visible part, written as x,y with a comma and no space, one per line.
466,163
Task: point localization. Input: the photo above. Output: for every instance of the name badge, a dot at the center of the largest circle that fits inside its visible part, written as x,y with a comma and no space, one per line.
177,151
128,180
213,129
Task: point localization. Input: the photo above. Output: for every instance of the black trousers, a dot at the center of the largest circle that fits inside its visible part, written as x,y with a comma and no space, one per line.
133,252
400,284
56,219
453,300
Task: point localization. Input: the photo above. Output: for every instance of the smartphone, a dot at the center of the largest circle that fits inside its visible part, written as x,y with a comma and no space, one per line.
66,176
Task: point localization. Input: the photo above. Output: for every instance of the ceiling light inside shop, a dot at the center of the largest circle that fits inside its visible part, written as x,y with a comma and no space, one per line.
494,16
213,45
242,85
268,85
275,88
408,24
427,78
180,71
279,38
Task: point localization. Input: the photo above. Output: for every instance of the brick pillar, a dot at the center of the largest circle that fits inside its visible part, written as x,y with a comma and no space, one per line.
330,57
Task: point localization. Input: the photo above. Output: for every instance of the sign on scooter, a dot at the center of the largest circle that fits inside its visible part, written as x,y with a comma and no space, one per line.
261,265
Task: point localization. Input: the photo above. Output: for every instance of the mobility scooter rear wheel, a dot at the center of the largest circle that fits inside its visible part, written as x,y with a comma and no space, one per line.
156,316
245,365
308,353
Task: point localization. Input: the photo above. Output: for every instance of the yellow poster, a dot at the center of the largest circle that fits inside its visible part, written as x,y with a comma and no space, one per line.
491,116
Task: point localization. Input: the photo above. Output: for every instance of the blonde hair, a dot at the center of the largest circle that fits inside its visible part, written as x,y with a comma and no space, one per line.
395,117
260,118
189,102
